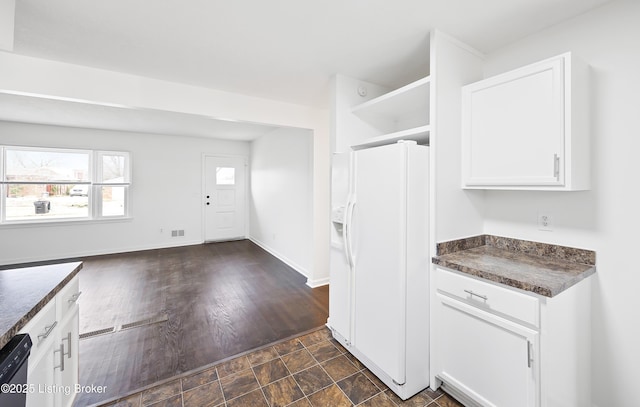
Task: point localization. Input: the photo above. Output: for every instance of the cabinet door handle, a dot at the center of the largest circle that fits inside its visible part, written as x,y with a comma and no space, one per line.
471,293
529,354
48,330
75,297
61,350
68,339
556,166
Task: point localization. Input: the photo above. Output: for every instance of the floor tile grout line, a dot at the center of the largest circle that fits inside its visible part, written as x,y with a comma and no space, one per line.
260,387
334,381
304,395
322,388
318,363
278,357
224,398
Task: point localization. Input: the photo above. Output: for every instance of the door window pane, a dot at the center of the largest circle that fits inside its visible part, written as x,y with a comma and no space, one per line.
225,175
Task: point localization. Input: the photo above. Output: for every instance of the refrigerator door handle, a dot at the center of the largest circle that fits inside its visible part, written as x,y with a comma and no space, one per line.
347,232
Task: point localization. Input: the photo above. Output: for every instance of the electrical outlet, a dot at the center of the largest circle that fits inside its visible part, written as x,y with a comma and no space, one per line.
545,221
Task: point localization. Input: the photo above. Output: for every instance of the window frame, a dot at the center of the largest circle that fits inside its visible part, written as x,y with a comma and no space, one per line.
100,183
95,183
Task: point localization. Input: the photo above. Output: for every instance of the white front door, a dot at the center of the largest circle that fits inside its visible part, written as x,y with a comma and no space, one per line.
224,198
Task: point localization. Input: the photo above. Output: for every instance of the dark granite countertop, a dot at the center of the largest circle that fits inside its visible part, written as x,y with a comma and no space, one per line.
541,268
25,291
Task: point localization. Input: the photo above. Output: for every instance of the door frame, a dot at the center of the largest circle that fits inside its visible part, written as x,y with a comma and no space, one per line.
203,187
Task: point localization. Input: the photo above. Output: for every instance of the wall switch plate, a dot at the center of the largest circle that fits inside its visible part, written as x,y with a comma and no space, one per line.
545,221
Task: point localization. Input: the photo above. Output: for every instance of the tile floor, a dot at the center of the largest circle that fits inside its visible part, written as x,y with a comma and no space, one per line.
310,370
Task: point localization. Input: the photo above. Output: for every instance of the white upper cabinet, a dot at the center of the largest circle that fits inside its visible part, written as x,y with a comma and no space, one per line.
528,128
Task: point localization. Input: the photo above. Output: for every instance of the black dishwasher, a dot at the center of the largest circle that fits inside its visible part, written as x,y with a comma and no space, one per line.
13,371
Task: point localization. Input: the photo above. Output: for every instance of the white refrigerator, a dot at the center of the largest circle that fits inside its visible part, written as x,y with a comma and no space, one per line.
379,268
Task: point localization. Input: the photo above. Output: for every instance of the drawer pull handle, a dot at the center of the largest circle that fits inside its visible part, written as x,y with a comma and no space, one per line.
61,350
68,339
471,293
48,330
75,297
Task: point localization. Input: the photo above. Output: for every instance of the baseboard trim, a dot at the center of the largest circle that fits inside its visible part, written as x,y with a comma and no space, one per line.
90,253
281,257
458,394
318,283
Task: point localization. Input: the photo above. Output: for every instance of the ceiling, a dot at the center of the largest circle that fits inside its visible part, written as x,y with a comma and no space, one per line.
80,113
285,50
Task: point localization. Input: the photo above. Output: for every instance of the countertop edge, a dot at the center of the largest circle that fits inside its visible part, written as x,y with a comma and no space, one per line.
11,332
513,283
525,248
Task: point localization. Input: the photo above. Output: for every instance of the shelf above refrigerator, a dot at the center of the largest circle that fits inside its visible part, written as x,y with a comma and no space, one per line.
419,134
413,97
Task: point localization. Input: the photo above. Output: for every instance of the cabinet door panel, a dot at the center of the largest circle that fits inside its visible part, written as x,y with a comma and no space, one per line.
68,378
514,127
491,359
41,377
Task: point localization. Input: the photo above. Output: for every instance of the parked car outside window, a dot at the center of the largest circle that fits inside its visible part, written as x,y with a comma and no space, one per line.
79,190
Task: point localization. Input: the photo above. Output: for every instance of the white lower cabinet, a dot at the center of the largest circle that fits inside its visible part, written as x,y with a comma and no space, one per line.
53,362
41,372
487,357
67,358
499,346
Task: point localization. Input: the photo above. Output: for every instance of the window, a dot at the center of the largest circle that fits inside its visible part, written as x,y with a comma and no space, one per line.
225,176
47,184
112,183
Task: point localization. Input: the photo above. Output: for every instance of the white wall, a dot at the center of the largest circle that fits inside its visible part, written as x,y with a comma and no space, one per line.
347,128
7,23
165,193
281,196
606,218
37,76
455,212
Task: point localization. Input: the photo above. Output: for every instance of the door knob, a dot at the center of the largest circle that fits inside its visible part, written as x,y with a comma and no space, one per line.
208,203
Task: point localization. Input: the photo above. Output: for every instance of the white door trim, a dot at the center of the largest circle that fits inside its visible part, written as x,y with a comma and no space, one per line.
203,187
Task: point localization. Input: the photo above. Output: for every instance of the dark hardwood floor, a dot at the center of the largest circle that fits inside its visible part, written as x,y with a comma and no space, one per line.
198,305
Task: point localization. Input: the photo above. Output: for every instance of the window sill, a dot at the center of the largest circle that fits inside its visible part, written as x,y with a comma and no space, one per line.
65,222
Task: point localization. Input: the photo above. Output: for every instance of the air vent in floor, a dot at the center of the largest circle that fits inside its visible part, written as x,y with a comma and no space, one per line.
97,332
149,321
143,322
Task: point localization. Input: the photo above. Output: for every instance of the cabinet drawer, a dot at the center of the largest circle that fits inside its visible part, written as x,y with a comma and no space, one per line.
489,296
68,296
41,328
